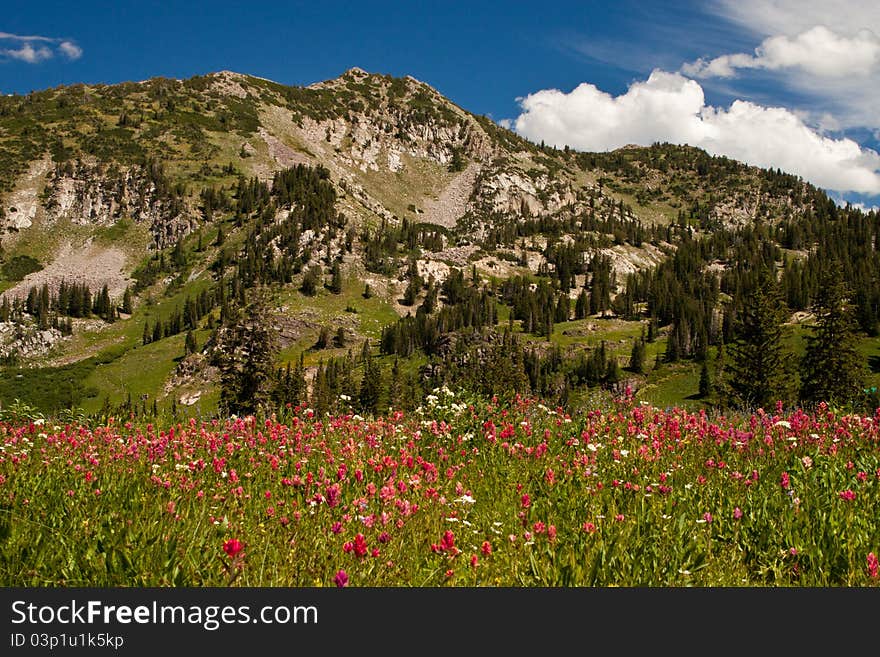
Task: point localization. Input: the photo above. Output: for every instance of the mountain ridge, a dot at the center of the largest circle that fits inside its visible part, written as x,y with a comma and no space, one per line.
150,178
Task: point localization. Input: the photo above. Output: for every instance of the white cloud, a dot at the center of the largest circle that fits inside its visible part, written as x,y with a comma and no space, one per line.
35,49
670,107
817,51
70,50
791,17
826,51
20,37
27,53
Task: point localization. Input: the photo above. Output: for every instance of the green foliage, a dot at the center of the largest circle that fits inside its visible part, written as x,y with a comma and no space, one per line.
760,373
17,267
49,389
247,345
832,368
705,381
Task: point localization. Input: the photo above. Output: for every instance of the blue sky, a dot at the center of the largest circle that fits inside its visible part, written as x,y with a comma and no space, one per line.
787,83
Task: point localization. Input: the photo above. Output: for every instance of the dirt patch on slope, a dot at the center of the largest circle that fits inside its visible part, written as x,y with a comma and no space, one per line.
88,263
283,154
446,209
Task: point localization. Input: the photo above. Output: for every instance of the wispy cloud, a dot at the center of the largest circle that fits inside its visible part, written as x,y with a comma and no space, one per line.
34,49
791,17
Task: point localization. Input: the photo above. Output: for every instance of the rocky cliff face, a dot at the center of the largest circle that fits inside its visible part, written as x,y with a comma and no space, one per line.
26,341
90,193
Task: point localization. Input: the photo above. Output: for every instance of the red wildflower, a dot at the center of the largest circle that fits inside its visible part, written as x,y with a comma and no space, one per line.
526,501
873,565
847,495
341,579
486,548
232,547
785,480
448,541
360,545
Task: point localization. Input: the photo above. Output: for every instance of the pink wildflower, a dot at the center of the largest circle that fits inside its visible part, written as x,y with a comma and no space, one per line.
232,547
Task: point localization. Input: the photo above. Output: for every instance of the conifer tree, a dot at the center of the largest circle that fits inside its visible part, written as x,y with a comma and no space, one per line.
126,301
832,369
247,347
759,373
637,356
190,346
395,386
336,279
705,381
582,305
371,386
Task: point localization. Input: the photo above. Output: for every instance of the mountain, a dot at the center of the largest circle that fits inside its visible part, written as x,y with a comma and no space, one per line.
359,200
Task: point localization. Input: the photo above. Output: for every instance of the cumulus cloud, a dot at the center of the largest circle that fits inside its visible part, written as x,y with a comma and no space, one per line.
672,108
825,51
70,50
34,49
27,53
817,51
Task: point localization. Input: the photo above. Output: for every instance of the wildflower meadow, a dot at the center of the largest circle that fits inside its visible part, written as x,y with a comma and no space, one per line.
462,492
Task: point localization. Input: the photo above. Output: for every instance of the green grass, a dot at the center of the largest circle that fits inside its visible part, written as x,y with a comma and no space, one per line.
327,309
49,389
139,371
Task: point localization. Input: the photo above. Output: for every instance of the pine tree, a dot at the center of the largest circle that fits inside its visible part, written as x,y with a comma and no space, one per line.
612,373
411,292
582,305
126,301
323,340
637,357
336,280
395,387
705,381
190,346
832,369
310,281
247,348
759,373
371,387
